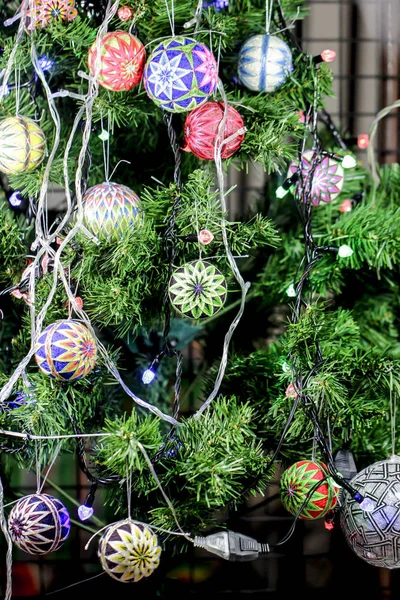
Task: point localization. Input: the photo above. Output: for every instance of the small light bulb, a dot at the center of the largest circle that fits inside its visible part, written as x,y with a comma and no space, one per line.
291,291
15,199
345,251
346,206
367,505
85,512
286,367
45,63
363,140
148,376
104,136
349,162
328,55
281,192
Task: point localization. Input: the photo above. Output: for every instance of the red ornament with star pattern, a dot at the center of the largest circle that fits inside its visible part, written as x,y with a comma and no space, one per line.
122,59
307,490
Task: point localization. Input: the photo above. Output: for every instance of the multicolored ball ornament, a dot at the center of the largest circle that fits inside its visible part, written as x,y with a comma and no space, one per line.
265,61
128,551
39,524
122,58
180,74
66,350
374,535
52,10
201,130
197,290
110,210
308,477
327,177
22,145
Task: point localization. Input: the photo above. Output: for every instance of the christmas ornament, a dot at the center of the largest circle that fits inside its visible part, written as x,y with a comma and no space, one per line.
375,535
265,61
66,350
180,74
39,524
49,10
22,145
327,176
197,290
308,482
122,58
125,13
110,210
201,130
128,551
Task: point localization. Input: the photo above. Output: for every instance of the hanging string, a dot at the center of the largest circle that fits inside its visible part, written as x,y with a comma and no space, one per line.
171,15
392,400
106,148
129,491
6,533
268,14
17,90
75,584
49,468
117,165
38,469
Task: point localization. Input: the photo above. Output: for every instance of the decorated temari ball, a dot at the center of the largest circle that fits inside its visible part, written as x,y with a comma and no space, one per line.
39,524
327,176
66,350
310,483
374,535
122,58
128,551
265,61
22,145
110,209
201,130
197,290
180,74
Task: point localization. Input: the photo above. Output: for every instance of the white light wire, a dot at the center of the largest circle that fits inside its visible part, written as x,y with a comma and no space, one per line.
220,142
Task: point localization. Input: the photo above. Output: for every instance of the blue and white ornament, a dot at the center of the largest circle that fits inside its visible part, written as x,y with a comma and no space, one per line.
39,524
180,74
265,61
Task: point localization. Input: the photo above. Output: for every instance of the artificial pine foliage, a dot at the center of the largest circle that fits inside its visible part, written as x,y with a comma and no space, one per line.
335,339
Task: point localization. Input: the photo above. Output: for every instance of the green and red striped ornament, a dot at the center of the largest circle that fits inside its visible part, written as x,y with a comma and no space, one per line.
301,481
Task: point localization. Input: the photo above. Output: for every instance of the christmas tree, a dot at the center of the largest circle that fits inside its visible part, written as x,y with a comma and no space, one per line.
138,111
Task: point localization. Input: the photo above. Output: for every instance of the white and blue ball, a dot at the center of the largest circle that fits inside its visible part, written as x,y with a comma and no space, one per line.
265,61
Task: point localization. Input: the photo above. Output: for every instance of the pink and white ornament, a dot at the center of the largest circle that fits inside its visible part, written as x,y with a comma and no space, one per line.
326,173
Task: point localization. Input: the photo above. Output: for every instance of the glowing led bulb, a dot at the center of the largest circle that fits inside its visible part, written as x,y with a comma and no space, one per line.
349,162
345,251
